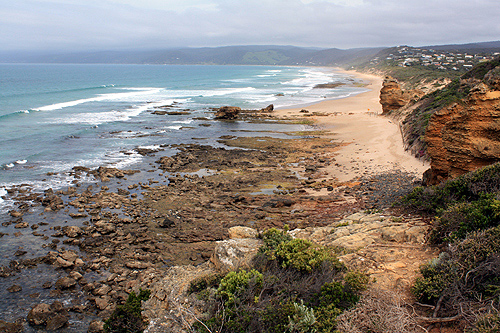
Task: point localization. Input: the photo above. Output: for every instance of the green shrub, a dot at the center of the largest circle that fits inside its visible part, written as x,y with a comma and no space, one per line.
235,283
275,316
467,273
127,318
272,239
466,188
356,281
302,255
464,204
465,217
437,276
478,247
326,318
294,286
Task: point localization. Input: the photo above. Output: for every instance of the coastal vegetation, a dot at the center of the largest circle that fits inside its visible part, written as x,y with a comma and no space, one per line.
293,286
463,283
127,318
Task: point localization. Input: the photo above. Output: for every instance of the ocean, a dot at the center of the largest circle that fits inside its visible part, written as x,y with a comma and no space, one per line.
54,117
57,116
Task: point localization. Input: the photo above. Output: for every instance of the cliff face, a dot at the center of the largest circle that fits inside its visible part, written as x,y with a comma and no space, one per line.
465,136
392,97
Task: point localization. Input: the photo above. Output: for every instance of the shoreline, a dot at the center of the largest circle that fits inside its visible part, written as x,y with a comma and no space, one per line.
371,144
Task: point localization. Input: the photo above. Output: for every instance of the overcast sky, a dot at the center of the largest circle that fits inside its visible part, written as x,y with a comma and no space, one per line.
157,24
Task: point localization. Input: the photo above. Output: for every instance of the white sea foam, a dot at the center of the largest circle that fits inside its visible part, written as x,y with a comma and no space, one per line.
120,160
57,181
152,147
309,78
5,205
187,121
103,97
98,118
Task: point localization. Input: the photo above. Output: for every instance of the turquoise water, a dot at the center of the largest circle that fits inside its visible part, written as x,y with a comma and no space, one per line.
56,116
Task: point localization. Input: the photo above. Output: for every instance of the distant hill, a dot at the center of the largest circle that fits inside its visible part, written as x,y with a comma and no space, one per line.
471,47
230,55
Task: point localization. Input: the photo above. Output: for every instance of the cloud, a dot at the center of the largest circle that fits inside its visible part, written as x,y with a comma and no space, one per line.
113,24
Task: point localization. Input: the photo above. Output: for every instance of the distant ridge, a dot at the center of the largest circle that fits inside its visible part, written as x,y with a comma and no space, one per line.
228,55
477,47
225,55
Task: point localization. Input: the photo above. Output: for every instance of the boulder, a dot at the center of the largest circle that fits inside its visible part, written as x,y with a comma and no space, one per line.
70,256
56,322
6,327
15,288
15,213
102,302
52,201
39,314
21,225
65,283
242,232
233,254
170,300
268,109
105,227
72,231
96,326
227,112
134,264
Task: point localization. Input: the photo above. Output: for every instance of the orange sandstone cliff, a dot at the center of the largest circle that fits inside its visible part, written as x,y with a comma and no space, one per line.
392,97
465,136
456,127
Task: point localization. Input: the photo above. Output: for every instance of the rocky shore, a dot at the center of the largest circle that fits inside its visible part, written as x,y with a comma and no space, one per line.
202,215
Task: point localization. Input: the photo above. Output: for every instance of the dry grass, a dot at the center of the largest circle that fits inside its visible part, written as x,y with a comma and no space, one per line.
379,311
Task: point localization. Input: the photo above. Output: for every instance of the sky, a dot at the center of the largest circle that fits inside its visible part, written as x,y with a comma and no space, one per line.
77,25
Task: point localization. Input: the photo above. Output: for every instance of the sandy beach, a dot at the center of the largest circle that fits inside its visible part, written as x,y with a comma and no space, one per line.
371,143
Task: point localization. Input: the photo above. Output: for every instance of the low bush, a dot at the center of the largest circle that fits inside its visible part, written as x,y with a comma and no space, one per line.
301,255
462,205
235,284
272,238
127,318
465,217
466,188
437,276
294,287
465,279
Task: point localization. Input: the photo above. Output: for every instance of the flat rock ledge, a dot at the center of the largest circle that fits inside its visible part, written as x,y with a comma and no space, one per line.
389,248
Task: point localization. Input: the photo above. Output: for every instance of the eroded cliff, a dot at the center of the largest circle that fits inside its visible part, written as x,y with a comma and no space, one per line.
455,127
465,136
